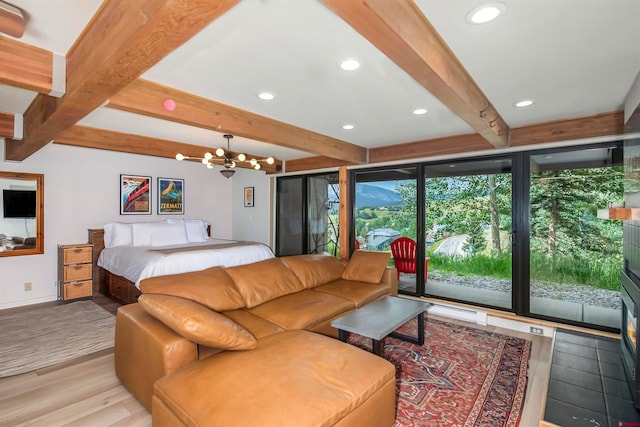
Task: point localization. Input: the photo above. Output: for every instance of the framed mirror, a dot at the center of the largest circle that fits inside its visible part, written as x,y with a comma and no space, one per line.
21,214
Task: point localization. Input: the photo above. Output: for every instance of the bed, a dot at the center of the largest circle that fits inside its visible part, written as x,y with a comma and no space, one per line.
119,266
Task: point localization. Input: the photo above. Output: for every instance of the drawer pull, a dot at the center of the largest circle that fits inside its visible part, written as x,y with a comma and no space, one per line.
78,267
77,250
77,285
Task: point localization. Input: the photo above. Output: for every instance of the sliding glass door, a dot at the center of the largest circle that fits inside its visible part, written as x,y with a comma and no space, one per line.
468,228
385,210
307,214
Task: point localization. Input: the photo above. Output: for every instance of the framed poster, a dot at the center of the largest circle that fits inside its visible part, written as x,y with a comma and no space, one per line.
248,197
170,196
135,195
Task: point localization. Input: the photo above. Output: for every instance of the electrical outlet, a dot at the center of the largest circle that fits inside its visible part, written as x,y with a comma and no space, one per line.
27,286
535,330
55,283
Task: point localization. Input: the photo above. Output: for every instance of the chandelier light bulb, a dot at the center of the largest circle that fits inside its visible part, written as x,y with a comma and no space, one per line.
208,156
233,164
257,166
242,157
210,165
253,162
270,160
204,161
180,157
219,152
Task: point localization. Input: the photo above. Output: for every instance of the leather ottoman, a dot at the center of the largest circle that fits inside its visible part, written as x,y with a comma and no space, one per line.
294,378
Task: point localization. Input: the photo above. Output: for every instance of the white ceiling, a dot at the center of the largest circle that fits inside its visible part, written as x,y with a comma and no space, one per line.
574,57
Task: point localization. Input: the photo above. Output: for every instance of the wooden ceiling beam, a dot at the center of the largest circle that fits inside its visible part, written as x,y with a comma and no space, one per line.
6,125
597,125
11,20
83,136
25,66
401,31
122,40
594,126
147,98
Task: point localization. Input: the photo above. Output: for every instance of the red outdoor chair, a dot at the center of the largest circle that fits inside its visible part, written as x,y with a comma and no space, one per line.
403,250
357,245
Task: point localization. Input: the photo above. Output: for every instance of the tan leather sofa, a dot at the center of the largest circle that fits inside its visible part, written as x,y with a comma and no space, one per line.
252,345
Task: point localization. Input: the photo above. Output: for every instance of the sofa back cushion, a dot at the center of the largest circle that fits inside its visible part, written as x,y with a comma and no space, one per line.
197,322
211,287
314,270
263,281
366,266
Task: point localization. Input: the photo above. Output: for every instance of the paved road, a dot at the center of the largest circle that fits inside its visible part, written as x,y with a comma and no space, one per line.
453,245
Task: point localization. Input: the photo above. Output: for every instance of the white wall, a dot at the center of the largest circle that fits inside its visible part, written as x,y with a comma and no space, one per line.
632,99
82,192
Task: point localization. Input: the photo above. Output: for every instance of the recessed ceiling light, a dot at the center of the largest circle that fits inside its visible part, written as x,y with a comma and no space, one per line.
350,64
266,96
524,103
348,127
419,111
485,13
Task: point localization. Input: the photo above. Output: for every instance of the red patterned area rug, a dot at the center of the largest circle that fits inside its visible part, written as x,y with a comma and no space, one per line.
461,376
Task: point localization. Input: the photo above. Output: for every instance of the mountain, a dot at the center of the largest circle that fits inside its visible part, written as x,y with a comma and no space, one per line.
375,197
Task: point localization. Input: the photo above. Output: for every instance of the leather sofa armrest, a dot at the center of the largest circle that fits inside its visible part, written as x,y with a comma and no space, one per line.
146,350
390,279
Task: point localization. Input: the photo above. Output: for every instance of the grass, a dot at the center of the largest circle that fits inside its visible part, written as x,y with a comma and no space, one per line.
603,274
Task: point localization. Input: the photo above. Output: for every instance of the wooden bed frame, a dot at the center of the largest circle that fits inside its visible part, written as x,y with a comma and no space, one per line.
119,289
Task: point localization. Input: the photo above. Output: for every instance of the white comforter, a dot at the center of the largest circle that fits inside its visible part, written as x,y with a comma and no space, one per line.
140,262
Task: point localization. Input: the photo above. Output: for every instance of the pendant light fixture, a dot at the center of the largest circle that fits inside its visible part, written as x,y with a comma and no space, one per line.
229,160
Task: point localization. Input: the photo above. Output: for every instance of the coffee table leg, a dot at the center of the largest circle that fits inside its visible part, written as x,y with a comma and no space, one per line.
342,335
421,328
413,340
376,347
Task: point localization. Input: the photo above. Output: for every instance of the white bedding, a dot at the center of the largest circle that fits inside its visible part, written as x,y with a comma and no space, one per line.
140,262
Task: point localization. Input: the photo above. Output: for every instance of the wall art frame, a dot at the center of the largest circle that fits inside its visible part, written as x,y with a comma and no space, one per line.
249,197
135,194
170,196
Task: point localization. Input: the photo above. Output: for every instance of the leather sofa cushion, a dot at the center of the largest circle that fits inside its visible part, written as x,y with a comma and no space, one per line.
360,293
258,326
263,281
197,322
315,269
302,310
211,287
366,266
294,378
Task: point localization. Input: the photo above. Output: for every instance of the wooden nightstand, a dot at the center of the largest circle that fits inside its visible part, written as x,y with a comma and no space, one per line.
75,271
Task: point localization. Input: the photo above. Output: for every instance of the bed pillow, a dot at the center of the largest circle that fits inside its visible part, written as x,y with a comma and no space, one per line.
117,234
163,234
141,234
366,266
196,230
197,323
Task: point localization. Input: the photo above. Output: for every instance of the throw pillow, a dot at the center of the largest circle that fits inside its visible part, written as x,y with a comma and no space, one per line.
366,266
197,323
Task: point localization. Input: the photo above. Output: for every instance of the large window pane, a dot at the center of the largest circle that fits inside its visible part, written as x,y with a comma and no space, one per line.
576,257
385,210
468,228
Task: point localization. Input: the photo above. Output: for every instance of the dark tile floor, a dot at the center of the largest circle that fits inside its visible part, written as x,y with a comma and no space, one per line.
588,386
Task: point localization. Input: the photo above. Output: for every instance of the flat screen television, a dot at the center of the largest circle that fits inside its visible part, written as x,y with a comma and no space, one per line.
19,203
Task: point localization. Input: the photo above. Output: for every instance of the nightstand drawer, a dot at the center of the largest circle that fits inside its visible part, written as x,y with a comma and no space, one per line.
77,289
77,255
77,272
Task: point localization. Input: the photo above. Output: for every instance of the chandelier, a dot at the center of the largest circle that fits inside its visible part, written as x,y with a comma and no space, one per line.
227,159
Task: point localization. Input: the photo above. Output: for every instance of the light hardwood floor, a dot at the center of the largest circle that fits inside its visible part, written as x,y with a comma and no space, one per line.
86,392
